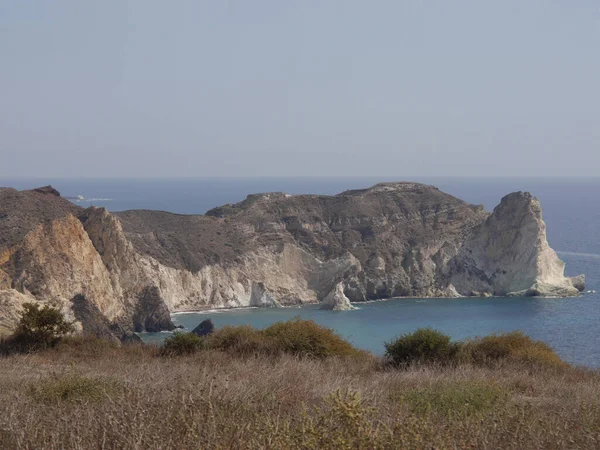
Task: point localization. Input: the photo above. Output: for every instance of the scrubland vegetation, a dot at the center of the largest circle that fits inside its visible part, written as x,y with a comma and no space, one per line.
297,385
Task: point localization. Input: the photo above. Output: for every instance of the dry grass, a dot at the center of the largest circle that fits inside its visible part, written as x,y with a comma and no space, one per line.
89,395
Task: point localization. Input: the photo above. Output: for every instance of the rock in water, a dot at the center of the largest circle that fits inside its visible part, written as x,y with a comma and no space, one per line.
579,282
508,254
336,300
259,296
205,328
151,313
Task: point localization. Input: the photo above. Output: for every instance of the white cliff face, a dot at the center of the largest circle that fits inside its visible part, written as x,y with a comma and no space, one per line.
508,254
263,278
336,300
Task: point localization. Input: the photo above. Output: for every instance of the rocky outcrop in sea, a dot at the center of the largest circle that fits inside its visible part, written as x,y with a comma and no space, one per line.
124,272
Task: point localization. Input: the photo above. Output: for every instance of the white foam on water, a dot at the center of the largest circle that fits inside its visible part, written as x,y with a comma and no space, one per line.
212,311
580,255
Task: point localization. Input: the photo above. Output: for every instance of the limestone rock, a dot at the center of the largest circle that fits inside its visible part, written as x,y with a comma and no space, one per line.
336,300
151,314
93,322
508,254
578,282
260,296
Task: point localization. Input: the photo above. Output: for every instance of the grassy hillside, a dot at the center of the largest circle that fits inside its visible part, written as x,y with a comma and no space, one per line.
90,394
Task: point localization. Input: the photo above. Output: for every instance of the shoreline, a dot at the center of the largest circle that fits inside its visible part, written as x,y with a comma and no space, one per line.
379,300
355,304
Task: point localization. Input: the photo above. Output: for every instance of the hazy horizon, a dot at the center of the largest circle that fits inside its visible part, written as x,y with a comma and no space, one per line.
148,89
384,178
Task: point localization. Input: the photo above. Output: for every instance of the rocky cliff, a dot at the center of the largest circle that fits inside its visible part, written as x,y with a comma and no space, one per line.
118,273
508,254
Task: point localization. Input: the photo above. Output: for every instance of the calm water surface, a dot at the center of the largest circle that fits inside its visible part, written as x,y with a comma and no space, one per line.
571,211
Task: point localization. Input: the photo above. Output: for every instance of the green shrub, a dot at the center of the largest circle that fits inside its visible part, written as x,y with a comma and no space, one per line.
72,388
514,346
302,338
306,338
424,345
240,340
182,344
39,328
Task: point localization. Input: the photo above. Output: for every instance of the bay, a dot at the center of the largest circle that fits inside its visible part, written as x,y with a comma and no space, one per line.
571,210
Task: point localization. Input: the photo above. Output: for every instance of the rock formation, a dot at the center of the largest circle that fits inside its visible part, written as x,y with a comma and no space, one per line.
336,300
508,254
205,328
124,272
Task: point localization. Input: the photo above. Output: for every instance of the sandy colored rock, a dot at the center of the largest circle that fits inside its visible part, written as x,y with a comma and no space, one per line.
336,300
508,254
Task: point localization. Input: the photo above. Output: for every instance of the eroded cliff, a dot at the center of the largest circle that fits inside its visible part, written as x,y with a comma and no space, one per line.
116,273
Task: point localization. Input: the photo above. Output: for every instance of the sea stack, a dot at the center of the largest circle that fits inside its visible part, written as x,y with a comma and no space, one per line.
336,300
508,254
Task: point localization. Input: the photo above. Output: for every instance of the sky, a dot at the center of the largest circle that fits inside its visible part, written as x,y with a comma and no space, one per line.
149,88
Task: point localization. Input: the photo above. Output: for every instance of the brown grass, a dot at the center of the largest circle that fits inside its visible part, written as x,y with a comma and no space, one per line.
88,395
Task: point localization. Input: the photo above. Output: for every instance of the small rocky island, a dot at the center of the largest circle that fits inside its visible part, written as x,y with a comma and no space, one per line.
114,274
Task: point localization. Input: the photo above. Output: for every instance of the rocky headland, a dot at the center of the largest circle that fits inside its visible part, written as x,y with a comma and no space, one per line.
116,273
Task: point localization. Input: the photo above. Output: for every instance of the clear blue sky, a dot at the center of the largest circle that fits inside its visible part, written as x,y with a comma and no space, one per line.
237,87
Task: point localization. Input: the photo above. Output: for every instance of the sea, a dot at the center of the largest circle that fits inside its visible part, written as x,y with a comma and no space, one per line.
571,208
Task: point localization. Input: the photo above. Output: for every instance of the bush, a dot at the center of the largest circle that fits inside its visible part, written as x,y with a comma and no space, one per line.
306,338
514,346
182,344
241,340
39,328
297,337
424,345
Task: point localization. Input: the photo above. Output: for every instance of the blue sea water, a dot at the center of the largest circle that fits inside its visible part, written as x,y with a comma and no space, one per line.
571,210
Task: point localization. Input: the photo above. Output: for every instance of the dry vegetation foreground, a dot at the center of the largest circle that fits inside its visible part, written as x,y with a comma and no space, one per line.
87,394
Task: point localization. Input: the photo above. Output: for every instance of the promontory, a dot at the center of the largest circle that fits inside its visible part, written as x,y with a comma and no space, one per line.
116,273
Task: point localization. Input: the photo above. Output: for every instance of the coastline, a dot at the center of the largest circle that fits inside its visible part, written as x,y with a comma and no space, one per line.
355,304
